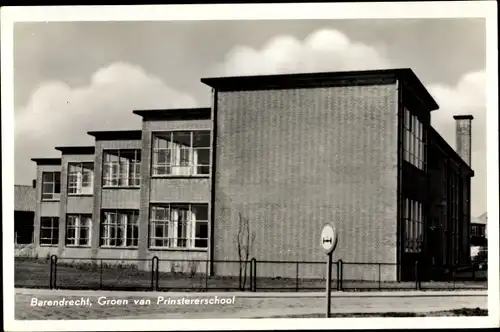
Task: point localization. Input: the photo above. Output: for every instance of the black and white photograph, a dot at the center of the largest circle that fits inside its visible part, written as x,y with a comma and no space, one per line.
310,165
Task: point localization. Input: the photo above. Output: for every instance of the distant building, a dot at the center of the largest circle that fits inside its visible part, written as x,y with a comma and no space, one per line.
479,234
24,213
287,153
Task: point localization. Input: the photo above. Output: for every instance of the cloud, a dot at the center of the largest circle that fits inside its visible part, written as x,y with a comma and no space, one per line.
323,50
468,96
58,114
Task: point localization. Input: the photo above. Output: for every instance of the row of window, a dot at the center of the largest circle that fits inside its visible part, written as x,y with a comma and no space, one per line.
414,142
170,226
413,218
183,153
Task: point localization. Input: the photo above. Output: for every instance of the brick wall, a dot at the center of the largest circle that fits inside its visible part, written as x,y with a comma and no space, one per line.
292,160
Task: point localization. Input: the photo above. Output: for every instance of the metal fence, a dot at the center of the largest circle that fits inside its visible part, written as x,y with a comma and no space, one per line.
224,275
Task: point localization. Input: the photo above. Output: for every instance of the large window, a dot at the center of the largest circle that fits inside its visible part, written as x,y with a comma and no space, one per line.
80,178
181,153
78,230
414,142
51,185
445,243
455,218
179,226
120,228
414,226
49,231
122,168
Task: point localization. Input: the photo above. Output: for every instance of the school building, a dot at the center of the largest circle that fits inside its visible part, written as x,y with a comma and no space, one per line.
281,155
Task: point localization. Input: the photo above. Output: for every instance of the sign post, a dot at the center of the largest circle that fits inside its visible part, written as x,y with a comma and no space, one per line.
328,243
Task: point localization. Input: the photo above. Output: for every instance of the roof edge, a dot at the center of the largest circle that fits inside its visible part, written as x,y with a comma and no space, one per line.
47,161
198,113
321,79
116,134
450,151
463,117
76,149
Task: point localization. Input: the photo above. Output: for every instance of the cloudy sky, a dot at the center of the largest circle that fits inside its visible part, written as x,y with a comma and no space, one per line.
79,76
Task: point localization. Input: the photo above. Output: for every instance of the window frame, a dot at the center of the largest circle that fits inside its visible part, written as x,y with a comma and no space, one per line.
414,140
414,224
134,164
175,164
106,227
54,225
170,227
77,228
80,166
56,196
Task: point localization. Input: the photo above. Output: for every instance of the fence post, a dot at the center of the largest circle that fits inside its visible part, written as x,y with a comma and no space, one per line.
417,279
254,274
297,277
379,277
206,275
250,278
100,274
157,268
154,276
55,271
153,273
51,273
340,272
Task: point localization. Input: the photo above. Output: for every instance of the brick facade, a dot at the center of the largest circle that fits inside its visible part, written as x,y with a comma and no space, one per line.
292,160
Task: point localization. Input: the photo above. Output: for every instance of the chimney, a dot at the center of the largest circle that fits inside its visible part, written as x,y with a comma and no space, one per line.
34,183
463,136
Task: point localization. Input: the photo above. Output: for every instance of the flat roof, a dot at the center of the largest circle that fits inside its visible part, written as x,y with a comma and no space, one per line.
76,149
324,79
463,117
116,134
199,113
47,161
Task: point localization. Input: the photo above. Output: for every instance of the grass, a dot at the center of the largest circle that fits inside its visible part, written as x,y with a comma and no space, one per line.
446,313
31,273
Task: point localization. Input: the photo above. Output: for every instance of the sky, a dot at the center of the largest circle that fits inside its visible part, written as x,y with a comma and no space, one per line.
73,77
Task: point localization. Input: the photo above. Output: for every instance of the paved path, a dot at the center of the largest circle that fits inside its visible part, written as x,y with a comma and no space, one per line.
246,305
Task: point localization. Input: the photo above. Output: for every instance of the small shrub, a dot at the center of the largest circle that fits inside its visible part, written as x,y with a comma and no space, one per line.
193,267
175,268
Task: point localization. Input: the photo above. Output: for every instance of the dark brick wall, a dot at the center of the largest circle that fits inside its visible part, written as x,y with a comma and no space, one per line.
292,160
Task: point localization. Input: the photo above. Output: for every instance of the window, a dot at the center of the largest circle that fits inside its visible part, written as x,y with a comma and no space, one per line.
455,218
80,178
445,243
120,228
51,185
49,231
413,218
181,153
179,226
478,230
78,230
414,142
122,168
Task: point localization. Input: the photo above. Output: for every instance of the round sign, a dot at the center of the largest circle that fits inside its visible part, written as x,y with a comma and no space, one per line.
328,238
